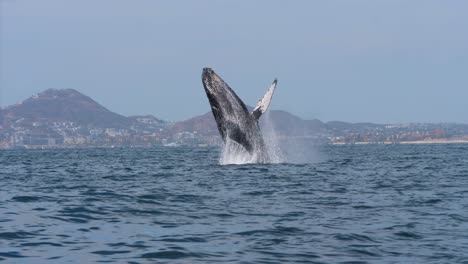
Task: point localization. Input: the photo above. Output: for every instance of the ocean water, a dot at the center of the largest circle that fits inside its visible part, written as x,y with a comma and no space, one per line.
354,204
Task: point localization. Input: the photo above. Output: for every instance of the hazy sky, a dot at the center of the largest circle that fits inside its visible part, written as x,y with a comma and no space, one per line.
379,61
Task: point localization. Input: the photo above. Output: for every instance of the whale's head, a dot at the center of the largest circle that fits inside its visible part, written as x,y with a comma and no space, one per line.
224,102
216,93
213,84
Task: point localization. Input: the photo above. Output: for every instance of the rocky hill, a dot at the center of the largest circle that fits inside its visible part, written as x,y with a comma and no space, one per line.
64,105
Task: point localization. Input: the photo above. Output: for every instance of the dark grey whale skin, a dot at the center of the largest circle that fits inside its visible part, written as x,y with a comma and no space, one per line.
233,119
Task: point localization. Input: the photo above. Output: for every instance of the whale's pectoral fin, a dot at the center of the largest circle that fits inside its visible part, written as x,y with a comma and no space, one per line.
263,104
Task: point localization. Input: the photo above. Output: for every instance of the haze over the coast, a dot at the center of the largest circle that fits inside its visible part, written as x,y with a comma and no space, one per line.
356,61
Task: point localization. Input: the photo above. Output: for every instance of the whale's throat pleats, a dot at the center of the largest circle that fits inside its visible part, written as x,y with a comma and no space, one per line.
235,133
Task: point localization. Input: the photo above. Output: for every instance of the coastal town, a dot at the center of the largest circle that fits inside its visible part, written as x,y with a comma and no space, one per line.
65,118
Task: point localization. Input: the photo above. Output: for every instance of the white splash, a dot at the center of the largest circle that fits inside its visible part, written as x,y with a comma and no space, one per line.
271,138
279,149
234,153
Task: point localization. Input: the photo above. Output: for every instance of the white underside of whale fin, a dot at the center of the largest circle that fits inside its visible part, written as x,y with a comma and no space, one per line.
263,104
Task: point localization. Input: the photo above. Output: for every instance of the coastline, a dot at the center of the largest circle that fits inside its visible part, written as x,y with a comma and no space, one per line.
414,142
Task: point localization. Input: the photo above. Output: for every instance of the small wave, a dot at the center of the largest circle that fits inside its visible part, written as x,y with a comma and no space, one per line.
110,252
423,202
407,235
16,235
11,254
138,244
184,240
458,217
70,219
168,224
364,207
171,254
35,244
80,216
81,209
362,252
187,198
139,212
289,256
108,194
281,230
28,199
222,215
408,225
146,201
40,209
294,214
354,237
260,193
153,196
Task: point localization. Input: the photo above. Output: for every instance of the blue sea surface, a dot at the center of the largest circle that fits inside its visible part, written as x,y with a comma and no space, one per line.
356,204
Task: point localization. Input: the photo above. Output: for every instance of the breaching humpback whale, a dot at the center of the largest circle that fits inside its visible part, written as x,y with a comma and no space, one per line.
235,123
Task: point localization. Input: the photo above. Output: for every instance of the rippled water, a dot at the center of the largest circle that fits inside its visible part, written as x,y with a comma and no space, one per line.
359,204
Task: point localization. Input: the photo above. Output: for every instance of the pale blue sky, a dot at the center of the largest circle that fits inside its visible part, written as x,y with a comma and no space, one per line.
379,61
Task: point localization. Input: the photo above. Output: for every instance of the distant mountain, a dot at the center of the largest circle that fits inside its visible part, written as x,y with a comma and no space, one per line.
282,122
59,105
287,124
202,124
